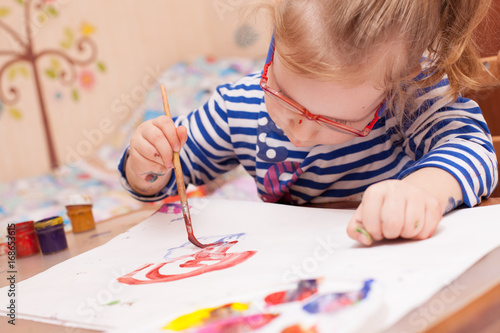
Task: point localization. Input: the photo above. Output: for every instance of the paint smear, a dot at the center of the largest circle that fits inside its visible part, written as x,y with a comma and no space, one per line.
151,177
100,234
299,329
120,302
175,208
240,324
305,289
333,302
209,259
205,316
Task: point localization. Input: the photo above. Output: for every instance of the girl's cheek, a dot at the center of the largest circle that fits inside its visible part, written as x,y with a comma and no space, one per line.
276,110
273,110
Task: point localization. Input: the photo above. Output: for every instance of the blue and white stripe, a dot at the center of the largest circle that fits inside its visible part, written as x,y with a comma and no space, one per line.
234,128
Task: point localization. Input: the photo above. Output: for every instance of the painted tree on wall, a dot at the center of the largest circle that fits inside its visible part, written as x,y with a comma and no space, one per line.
21,59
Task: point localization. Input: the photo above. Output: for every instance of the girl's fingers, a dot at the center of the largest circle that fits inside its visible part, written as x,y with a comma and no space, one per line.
351,226
356,230
371,206
157,139
141,165
415,217
392,215
182,134
167,126
433,214
144,148
392,209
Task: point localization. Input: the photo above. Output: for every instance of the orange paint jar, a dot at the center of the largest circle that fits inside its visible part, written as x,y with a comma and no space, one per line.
79,210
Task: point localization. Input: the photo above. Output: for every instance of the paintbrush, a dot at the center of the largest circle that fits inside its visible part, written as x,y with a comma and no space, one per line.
179,178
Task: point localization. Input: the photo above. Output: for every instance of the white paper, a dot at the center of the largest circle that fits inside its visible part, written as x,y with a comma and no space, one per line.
282,245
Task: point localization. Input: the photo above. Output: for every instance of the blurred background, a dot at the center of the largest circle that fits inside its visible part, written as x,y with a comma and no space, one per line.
96,61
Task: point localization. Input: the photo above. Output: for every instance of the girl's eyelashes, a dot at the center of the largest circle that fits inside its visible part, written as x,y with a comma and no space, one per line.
283,93
343,122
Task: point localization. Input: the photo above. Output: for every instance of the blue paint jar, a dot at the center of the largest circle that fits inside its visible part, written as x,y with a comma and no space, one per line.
51,235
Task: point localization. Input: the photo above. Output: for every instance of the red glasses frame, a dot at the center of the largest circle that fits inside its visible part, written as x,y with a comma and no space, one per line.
299,109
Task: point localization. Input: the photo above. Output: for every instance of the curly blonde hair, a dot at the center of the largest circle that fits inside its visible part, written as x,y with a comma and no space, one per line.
342,40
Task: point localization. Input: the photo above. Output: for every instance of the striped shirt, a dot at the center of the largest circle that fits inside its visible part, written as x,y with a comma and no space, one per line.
234,128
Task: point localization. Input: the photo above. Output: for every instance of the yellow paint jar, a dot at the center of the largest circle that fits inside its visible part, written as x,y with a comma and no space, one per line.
79,210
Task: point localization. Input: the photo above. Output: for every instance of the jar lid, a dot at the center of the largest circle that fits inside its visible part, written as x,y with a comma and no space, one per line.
24,225
48,222
21,226
78,199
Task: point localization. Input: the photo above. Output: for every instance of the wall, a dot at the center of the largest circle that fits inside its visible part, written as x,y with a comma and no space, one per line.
488,31
136,41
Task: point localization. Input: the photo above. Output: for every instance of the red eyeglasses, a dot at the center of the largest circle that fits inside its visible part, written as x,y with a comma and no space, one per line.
299,109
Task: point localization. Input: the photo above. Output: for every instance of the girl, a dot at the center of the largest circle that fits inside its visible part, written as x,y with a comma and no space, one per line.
358,100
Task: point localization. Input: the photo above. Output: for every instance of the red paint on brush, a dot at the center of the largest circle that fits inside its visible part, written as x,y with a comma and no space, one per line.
191,237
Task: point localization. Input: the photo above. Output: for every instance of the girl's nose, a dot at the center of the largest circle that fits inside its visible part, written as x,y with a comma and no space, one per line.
302,128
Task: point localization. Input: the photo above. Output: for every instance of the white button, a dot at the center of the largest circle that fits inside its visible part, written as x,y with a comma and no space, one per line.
271,153
263,121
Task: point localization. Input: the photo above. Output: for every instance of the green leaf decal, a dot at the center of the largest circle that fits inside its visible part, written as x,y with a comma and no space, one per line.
69,38
4,11
51,73
101,66
52,11
16,114
12,73
75,95
24,71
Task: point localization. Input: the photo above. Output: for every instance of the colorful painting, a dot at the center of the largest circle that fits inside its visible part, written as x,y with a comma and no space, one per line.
201,261
330,303
305,289
279,268
246,317
226,318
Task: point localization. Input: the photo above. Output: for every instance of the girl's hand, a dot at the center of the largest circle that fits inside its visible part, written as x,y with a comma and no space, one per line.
392,209
151,152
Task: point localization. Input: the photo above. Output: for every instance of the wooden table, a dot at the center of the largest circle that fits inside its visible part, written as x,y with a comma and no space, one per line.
469,304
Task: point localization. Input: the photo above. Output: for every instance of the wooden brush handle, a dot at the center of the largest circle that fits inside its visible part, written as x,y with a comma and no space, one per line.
179,177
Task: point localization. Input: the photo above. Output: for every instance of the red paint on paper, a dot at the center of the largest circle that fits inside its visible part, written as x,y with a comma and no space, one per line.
209,259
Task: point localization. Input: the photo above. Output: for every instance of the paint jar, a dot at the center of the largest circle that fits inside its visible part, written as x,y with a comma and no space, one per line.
25,239
51,235
79,209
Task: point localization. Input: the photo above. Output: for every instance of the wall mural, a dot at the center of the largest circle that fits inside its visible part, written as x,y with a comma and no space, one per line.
75,72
